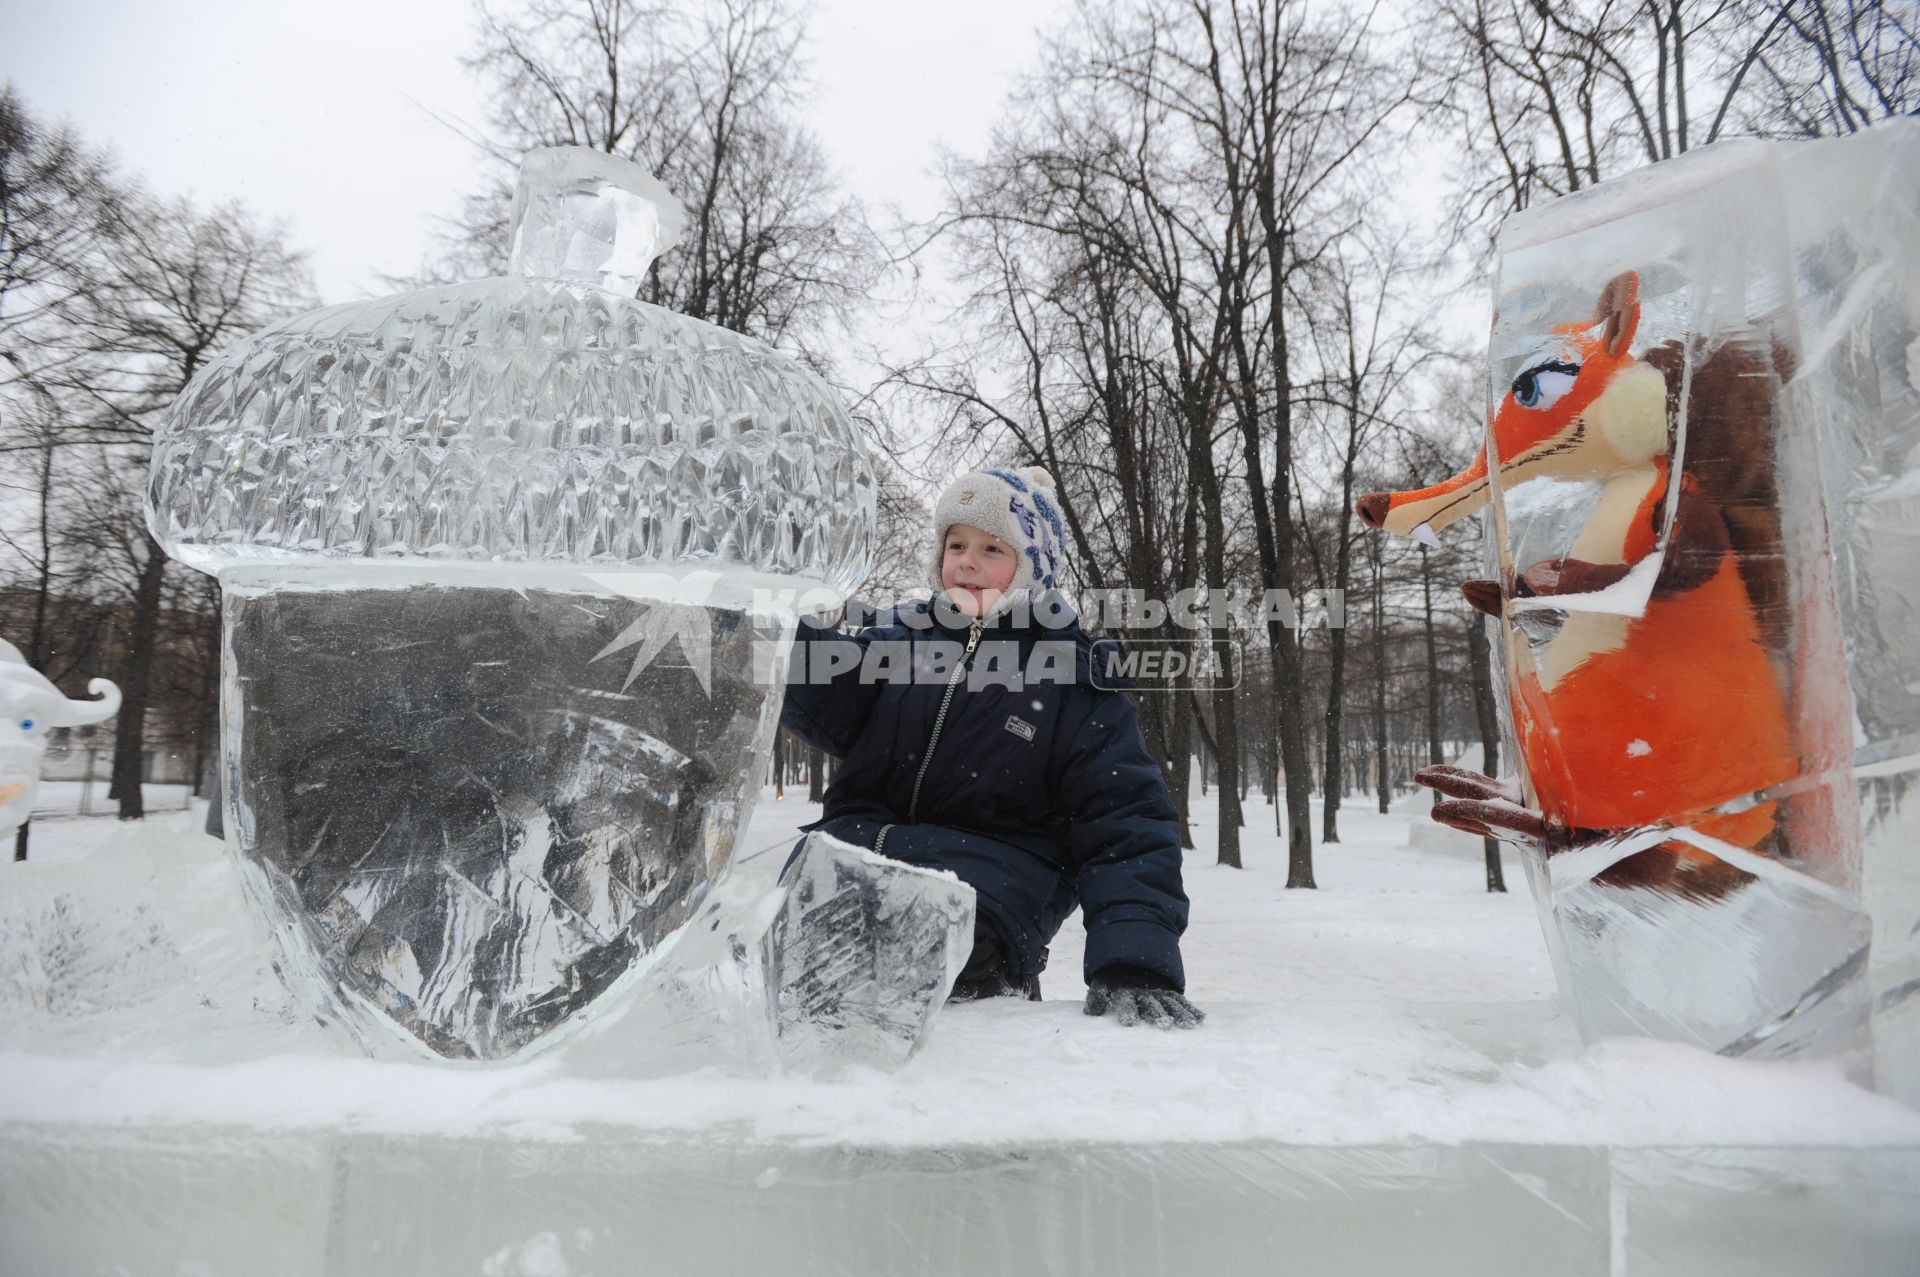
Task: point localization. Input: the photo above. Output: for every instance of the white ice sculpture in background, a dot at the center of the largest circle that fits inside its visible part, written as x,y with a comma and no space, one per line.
489,555
34,707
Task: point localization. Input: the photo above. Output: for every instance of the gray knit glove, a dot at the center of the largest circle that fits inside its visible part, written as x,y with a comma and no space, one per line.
1138,996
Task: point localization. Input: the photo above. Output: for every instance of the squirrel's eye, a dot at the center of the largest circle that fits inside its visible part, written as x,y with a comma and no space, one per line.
1542,386
26,724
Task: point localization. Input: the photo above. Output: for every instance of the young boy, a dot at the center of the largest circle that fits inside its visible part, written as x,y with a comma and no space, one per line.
973,739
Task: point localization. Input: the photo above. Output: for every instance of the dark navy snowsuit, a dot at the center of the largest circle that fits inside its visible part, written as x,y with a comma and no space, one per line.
1036,793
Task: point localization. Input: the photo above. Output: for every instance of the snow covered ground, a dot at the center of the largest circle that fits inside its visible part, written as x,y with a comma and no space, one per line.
1398,1003
1386,921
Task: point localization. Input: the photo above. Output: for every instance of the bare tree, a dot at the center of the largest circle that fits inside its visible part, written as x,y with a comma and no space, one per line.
1376,351
1291,102
706,97
1835,68
902,542
1154,220
1080,347
59,200
1551,98
184,283
1377,650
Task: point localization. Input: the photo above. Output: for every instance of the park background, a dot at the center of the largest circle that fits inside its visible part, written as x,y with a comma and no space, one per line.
1218,266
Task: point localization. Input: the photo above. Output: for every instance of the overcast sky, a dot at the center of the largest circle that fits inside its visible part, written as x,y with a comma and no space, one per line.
322,113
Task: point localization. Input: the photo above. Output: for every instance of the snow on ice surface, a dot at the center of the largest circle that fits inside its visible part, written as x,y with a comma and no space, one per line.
1400,1002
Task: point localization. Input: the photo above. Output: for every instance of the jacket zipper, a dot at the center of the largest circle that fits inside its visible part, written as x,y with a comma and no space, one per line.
939,721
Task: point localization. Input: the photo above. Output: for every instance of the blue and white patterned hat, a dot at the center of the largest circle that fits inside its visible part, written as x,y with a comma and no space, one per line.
1019,507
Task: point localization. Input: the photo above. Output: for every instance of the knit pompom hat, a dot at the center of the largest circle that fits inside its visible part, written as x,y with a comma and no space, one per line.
1019,507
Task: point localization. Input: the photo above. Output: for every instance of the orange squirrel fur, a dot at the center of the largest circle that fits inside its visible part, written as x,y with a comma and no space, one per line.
1652,720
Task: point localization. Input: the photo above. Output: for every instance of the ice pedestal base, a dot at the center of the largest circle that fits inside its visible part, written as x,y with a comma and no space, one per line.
1309,1137
221,1201
184,1121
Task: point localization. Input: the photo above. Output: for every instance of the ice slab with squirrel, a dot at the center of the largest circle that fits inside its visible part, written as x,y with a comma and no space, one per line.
1797,266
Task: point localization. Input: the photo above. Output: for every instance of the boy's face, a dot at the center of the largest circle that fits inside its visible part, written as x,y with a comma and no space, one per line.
975,568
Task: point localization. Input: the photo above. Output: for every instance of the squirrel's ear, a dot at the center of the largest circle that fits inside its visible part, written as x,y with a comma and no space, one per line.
1038,477
1619,310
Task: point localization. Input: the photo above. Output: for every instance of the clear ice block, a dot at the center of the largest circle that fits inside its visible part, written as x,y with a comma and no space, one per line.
467,811
1688,715
846,959
1854,204
493,558
163,1200
1764,1212
862,955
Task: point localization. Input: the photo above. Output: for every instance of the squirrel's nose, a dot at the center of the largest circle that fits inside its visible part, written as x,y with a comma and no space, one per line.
1373,508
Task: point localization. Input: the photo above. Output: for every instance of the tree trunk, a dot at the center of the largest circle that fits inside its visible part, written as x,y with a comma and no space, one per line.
1435,755
1293,762
1480,656
129,734
1289,689
43,582
1180,708
1226,732
1335,773
816,776
1382,777
1180,760
206,742
1273,528
1342,578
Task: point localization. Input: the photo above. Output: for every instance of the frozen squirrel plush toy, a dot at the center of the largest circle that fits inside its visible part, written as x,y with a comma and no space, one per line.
1629,721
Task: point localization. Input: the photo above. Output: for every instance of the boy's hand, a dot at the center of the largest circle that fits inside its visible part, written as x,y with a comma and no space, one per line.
1137,996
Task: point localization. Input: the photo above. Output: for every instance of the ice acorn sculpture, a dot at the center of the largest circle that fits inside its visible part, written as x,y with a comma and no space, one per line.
490,556
1699,463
